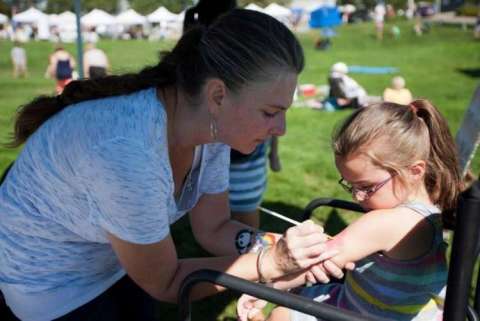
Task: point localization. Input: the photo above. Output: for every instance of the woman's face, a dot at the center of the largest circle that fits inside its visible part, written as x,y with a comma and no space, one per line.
256,112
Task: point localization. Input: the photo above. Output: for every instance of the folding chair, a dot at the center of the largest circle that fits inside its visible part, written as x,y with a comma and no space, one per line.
465,249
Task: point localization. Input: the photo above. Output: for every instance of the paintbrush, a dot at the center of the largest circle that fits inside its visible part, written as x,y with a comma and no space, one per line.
283,217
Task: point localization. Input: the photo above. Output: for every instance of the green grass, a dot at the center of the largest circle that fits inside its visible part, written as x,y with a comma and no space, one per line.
429,64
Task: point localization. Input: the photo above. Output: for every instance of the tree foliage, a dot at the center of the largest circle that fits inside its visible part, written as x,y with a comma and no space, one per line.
147,6
263,3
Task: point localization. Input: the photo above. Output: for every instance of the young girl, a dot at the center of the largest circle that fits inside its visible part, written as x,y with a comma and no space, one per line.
399,162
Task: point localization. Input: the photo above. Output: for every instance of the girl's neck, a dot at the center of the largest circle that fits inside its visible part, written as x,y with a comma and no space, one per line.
419,194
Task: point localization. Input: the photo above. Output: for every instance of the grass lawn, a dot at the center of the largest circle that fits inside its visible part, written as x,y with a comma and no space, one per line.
430,64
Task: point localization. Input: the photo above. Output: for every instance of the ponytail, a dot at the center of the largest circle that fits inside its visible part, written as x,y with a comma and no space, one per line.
32,115
442,177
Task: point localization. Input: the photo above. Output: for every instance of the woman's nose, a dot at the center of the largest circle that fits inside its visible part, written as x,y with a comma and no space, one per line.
279,126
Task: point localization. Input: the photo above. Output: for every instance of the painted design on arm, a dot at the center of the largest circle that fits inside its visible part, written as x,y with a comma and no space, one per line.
336,243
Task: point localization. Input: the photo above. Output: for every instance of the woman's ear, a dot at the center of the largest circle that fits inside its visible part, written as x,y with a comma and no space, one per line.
215,91
417,169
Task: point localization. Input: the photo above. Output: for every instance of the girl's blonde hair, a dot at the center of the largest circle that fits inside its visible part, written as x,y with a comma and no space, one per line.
394,136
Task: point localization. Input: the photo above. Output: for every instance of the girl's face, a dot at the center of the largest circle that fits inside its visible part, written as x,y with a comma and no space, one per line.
371,186
256,112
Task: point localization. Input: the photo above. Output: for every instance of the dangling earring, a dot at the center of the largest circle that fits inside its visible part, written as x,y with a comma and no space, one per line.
213,129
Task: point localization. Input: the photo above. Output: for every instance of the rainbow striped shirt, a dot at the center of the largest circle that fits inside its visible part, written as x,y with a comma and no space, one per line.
398,290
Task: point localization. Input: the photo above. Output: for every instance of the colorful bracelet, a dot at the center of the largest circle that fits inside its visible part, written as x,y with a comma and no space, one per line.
262,240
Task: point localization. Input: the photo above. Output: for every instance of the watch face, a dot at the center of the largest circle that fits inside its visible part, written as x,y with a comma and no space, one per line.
243,240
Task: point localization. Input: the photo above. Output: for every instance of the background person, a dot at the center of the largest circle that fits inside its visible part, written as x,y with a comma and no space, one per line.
61,65
19,60
95,62
399,162
344,90
248,180
111,163
397,93
379,13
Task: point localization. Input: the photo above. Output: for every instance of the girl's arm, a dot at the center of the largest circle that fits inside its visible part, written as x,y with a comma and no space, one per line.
398,231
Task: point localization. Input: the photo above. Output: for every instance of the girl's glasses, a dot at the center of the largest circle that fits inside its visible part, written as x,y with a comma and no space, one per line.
362,194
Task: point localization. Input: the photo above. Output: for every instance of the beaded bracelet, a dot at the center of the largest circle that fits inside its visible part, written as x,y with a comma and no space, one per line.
260,256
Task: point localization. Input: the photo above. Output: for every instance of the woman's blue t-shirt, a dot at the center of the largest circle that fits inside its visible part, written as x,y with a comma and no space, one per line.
98,166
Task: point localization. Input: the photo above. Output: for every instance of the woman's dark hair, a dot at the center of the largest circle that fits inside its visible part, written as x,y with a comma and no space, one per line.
242,46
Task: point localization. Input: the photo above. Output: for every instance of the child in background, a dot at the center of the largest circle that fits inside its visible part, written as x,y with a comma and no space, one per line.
19,60
61,65
399,162
397,93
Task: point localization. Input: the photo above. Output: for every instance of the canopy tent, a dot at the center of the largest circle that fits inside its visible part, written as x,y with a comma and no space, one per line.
348,8
280,13
97,17
3,18
30,15
276,10
253,6
162,15
67,21
53,19
311,5
130,17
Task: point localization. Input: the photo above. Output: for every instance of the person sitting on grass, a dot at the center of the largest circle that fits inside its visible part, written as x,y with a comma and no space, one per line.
399,162
397,93
344,91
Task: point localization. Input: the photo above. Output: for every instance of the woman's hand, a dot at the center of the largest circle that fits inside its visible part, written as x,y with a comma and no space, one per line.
249,308
301,247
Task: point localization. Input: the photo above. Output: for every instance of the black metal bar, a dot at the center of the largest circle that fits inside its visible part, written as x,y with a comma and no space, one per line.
331,202
463,255
289,300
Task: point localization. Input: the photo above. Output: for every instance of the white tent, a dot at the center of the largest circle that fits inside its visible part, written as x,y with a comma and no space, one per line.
276,10
53,19
3,18
68,18
97,17
130,17
311,5
31,15
162,15
67,21
253,6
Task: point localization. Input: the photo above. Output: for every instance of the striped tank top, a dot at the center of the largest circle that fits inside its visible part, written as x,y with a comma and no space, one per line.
400,290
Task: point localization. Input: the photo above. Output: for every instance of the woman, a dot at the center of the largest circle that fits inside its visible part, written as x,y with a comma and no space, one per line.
111,163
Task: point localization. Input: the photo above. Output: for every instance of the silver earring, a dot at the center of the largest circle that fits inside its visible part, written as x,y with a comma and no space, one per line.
213,129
